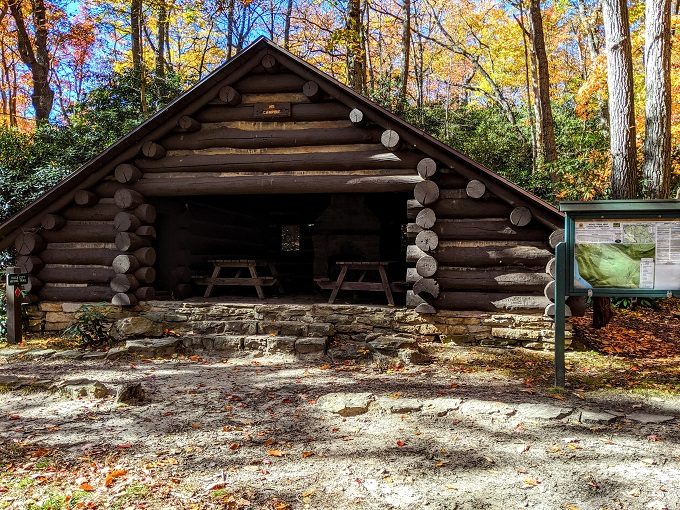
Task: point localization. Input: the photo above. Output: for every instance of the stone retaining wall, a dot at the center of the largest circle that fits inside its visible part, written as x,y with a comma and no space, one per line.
341,322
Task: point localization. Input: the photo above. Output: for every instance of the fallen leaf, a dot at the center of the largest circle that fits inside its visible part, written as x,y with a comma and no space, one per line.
280,505
124,445
401,443
85,486
234,446
307,454
275,453
269,442
196,425
531,482
116,473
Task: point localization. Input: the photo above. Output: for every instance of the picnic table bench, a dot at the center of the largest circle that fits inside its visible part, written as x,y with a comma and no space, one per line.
359,284
254,280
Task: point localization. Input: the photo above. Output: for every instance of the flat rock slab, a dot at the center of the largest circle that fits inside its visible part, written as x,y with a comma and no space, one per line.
10,352
401,405
70,354
649,418
597,417
153,346
82,388
345,404
42,353
441,406
543,411
484,407
392,343
311,345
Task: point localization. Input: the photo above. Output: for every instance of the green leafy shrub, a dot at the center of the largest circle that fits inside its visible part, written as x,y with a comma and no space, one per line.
3,313
633,303
90,328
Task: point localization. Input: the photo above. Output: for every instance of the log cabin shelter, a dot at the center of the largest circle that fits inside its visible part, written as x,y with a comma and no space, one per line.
270,177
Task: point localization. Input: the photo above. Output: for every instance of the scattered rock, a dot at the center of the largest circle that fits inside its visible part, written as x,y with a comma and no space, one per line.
392,343
130,394
153,346
227,343
310,345
94,355
401,405
117,352
543,411
79,388
281,344
441,406
42,353
255,343
649,418
345,404
474,407
132,327
70,354
415,357
597,417
11,352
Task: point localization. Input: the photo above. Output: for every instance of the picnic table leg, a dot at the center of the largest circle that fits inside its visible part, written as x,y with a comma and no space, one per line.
386,285
215,274
275,274
258,288
338,284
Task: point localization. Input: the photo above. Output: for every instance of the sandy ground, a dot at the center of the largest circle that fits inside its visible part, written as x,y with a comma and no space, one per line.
249,433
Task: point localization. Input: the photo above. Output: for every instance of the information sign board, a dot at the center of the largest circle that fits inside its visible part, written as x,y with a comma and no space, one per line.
17,279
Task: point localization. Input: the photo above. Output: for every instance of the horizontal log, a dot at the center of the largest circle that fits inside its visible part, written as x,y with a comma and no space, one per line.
126,198
146,213
152,150
507,279
145,293
125,264
146,231
262,84
124,283
126,222
99,212
52,222
274,184
426,192
183,290
79,256
299,112
122,299
126,241
484,256
186,124
486,228
489,302
106,189
84,197
145,275
30,263
428,286
127,173
463,208
29,243
146,256
76,274
88,293
448,180
246,139
91,232
229,95
328,161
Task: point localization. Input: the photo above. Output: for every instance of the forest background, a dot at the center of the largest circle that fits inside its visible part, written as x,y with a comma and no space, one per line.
521,86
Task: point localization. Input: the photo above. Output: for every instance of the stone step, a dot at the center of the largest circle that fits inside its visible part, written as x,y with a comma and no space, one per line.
270,344
257,327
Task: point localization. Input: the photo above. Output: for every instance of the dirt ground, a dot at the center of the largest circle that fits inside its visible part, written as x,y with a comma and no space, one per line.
250,432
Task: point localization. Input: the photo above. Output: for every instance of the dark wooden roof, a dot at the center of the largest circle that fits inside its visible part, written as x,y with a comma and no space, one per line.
230,72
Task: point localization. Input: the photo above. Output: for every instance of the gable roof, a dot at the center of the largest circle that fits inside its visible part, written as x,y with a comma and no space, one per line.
230,72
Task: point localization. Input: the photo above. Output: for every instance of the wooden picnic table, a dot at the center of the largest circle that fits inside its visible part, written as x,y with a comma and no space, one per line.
362,268
255,280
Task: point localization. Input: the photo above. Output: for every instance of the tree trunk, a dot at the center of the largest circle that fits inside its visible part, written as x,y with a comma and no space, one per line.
545,127
230,28
356,53
624,179
35,54
286,28
136,35
657,165
161,32
405,56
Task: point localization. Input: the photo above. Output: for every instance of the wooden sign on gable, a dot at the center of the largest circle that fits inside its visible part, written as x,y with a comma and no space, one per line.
271,110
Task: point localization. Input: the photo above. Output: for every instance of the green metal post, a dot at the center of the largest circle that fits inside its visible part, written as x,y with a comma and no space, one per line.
560,282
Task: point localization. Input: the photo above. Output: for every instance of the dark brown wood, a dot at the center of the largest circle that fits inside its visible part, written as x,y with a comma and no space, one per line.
246,139
312,90
146,231
263,83
153,150
300,112
91,232
146,275
448,180
127,173
427,286
128,199
426,266
229,95
13,302
328,161
186,124
413,300
390,139
486,229
30,263
79,256
475,189
52,222
269,63
126,222
183,290
464,208
426,192
357,117
125,264
146,213
427,240
146,256
426,218
126,241
578,305
99,212
182,274
268,184
122,299
427,167
76,274
124,283
520,216
145,293
106,189
485,256
506,279
29,243
84,197
90,293
490,301
555,238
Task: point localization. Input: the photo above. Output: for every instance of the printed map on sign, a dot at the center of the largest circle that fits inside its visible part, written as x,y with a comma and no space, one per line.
629,254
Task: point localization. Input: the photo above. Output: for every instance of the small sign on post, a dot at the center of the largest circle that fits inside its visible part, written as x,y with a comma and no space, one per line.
14,280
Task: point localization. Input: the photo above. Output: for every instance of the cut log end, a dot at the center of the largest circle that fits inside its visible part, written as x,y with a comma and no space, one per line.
475,189
127,173
556,237
312,91
125,264
550,310
549,290
128,199
123,299
52,222
426,266
269,63
145,293
390,139
230,96
146,213
188,124
425,309
426,218
29,243
427,240
426,192
551,267
85,198
357,117
427,167
520,216
124,283
153,150
428,286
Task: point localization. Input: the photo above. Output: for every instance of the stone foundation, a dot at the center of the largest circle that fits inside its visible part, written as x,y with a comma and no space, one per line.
199,322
